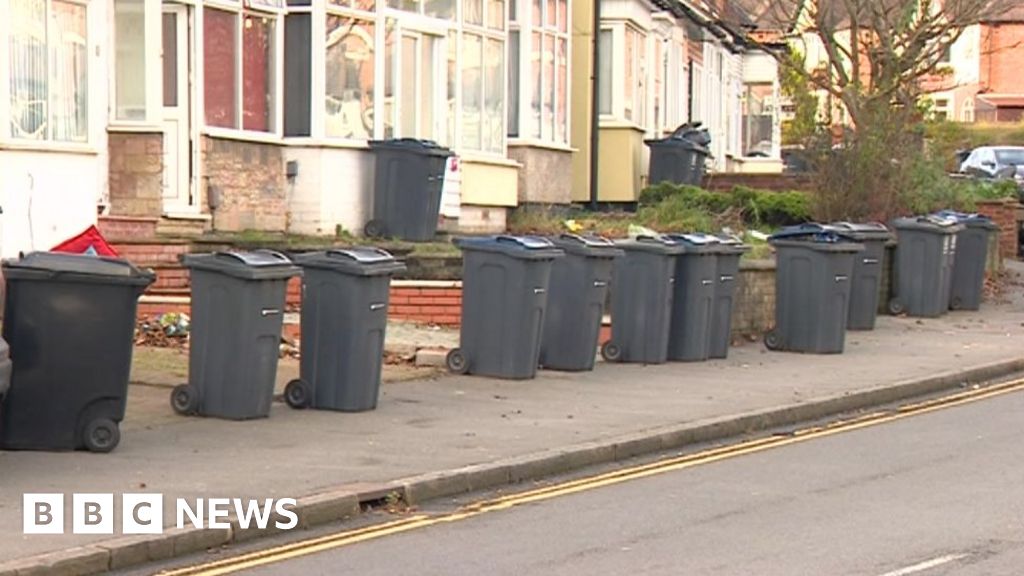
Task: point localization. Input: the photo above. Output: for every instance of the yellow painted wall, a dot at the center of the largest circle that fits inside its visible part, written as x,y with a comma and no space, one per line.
619,154
582,54
489,183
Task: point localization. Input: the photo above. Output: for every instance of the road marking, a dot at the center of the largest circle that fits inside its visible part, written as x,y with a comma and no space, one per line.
926,565
320,544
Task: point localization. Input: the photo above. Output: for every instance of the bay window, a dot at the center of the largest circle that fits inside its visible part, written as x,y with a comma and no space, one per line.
350,71
48,59
635,95
539,81
239,60
483,77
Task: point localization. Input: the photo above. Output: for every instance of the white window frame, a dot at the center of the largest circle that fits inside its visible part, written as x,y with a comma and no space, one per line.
152,14
239,10
91,122
526,28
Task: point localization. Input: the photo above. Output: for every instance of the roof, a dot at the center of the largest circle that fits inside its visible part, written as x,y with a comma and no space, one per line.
1003,100
774,15
1013,13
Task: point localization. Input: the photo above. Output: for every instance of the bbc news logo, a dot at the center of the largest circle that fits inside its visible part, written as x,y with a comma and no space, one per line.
144,513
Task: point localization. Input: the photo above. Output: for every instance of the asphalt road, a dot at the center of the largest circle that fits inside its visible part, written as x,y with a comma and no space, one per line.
938,493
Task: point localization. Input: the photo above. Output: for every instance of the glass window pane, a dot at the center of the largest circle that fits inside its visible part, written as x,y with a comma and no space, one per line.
548,97
536,53
130,60
536,11
472,86
453,67
28,67
390,69
473,12
349,78
170,60
427,96
605,73
550,11
68,74
257,72
496,14
440,8
494,96
630,73
513,82
561,93
563,15
407,5
657,122
408,101
220,91
513,10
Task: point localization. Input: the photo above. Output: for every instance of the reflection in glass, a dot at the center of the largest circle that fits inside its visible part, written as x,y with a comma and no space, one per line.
349,77
472,88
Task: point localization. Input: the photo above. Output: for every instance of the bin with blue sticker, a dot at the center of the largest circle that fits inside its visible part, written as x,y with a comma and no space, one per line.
812,289
344,319
238,301
576,301
693,299
972,243
70,323
642,294
505,283
868,267
925,255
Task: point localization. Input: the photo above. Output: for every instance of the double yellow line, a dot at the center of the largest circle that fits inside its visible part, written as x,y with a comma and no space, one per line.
323,543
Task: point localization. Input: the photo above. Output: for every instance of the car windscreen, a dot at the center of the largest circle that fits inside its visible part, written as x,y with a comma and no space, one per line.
1013,156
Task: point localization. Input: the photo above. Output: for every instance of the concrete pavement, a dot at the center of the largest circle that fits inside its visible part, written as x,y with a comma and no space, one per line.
444,435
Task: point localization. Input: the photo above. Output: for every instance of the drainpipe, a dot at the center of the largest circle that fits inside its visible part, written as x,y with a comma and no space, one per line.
595,109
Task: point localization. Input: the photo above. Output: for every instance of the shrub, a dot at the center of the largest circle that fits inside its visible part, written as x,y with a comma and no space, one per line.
759,208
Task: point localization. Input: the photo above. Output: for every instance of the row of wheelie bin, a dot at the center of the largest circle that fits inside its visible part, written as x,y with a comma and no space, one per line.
532,302
829,277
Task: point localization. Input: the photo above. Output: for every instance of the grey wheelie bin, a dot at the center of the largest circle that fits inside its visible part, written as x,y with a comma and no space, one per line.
576,299
238,301
70,323
812,289
407,188
642,292
727,273
344,316
693,300
970,260
504,297
680,158
867,271
925,255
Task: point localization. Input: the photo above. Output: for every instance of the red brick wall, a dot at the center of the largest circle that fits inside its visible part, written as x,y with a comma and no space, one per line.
780,182
1002,46
126,228
433,305
1004,214
251,181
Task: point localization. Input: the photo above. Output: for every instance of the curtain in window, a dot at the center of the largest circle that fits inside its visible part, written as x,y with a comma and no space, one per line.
29,107
68,78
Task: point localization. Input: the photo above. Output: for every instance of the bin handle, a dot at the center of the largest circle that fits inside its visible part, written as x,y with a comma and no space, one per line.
871,260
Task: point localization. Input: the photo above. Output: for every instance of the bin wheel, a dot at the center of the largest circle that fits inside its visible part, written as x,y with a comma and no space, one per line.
956,303
184,399
456,361
297,394
101,435
374,229
896,307
772,340
611,352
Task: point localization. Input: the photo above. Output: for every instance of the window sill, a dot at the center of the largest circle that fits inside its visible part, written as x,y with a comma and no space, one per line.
537,143
620,124
49,147
138,128
309,142
475,157
242,135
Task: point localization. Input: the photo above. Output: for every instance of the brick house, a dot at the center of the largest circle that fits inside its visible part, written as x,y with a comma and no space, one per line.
984,83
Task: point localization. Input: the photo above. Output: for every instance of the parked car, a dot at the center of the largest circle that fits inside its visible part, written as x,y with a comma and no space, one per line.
995,162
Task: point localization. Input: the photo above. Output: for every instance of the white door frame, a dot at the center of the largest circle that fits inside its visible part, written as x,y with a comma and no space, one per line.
180,195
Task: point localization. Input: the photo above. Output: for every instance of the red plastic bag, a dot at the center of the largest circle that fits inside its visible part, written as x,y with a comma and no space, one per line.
88,242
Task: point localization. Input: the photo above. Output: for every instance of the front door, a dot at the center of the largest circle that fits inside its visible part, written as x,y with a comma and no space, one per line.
178,187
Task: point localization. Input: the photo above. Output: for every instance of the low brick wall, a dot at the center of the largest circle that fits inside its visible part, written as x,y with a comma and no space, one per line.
1006,214
725,181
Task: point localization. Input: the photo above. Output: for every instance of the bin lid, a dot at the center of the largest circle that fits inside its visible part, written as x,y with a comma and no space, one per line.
696,243
590,245
861,231
356,261
731,244
930,223
523,247
969,220
415,145
660,244
812,232
57,264
255,265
